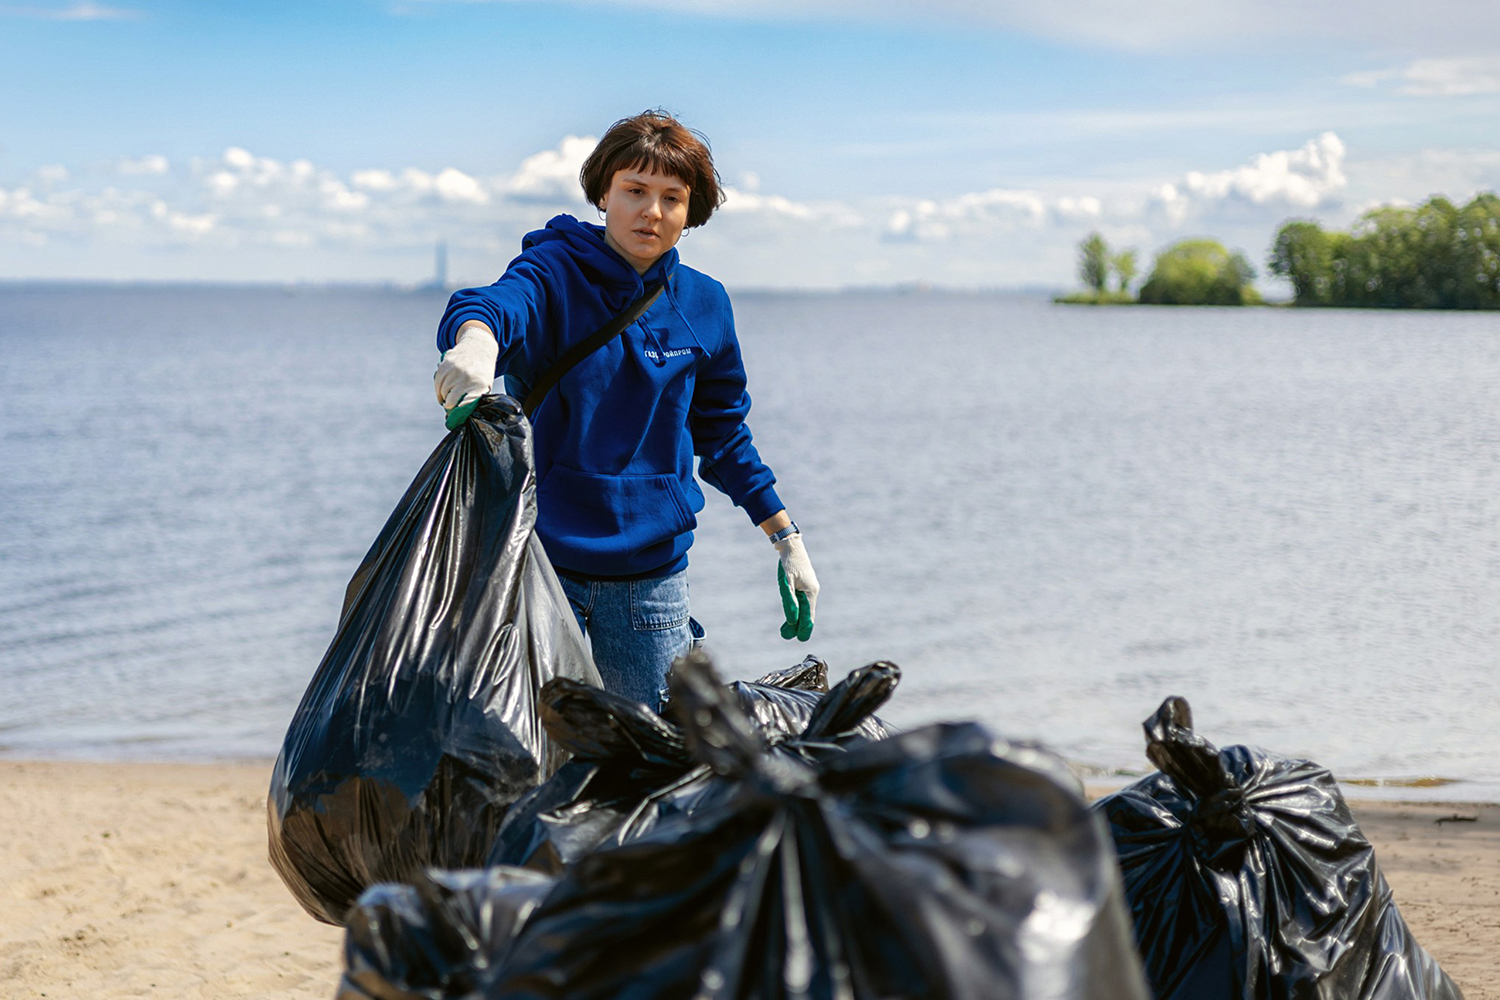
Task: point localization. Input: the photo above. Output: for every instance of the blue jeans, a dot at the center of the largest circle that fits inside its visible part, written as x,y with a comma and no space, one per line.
636,628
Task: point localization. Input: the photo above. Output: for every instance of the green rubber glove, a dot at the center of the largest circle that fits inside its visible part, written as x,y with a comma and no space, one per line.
798,611
460,414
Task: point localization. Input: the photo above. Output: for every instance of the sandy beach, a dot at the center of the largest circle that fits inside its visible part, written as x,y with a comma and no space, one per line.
129,880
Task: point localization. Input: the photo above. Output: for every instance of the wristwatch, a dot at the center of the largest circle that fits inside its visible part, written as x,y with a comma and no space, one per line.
785,533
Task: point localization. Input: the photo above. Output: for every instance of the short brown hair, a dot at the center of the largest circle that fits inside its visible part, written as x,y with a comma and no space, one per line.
655,141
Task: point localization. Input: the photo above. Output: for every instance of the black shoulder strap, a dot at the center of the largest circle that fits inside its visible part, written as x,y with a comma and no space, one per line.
609,331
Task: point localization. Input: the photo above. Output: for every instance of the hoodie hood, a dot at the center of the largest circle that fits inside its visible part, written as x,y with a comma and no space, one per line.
595,257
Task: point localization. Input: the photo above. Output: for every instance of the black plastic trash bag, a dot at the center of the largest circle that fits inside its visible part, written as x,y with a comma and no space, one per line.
938,863
419,728
631,768
809,675
783,700
1248,879
439,938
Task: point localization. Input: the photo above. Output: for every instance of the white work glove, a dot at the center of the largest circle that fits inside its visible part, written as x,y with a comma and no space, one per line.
467,370
799,588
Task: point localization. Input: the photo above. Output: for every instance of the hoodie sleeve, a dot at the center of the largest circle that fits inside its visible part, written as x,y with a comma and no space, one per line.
512,307
729,461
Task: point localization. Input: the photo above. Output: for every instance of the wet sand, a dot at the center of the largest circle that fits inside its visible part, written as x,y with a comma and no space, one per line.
131,880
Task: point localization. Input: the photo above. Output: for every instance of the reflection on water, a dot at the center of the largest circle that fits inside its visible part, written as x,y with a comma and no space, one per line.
1052,518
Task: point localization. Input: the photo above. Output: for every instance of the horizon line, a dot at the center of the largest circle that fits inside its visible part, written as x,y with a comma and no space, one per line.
905,287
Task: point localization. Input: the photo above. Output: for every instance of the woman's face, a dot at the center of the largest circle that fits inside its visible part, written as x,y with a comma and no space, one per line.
644,213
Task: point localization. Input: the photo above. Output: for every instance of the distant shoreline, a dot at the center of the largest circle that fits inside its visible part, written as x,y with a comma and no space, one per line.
123,284
1051,294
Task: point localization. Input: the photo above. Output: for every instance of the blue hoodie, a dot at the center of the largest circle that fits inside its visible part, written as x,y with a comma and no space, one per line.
615,439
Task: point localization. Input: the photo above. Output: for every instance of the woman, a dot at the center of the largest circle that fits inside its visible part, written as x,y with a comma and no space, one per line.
615,438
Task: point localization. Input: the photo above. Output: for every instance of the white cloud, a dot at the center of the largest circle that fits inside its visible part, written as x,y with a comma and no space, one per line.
191,225
930,220
340,198
998,210
1286,180
736,201
227,206
145,166
374,180
249,188
20,204
414,181
238,158
455,185
1454,76
75,12
750,206
1011,236
1082,207
240,199
552,174
55,173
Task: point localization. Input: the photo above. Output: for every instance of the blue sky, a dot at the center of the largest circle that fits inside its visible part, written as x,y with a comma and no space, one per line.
960,142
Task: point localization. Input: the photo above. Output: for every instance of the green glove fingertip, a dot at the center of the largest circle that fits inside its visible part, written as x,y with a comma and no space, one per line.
804,618
460,414
796,607
788,604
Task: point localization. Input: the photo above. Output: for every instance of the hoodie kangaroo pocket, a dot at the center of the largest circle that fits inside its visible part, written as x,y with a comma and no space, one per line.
589,512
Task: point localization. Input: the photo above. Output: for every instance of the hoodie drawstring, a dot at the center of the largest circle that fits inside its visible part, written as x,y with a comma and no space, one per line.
659,354
660,357
678,309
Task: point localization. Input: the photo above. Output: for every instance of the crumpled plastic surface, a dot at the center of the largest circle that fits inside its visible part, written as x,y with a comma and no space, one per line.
783,700
631,768
419,728
440,937
1248,879
941,862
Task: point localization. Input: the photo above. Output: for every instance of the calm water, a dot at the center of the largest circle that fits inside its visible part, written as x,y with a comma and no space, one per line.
1051,518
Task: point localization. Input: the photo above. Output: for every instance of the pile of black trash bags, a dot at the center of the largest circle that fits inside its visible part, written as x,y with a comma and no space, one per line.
486,821
715,856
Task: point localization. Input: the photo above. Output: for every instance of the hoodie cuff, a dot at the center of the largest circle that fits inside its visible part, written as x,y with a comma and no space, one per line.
762,503
448,328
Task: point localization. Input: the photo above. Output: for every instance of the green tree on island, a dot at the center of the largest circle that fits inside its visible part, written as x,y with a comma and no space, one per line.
1124,267
1303,254
1093,262
1096,262
1200,273
1431,256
